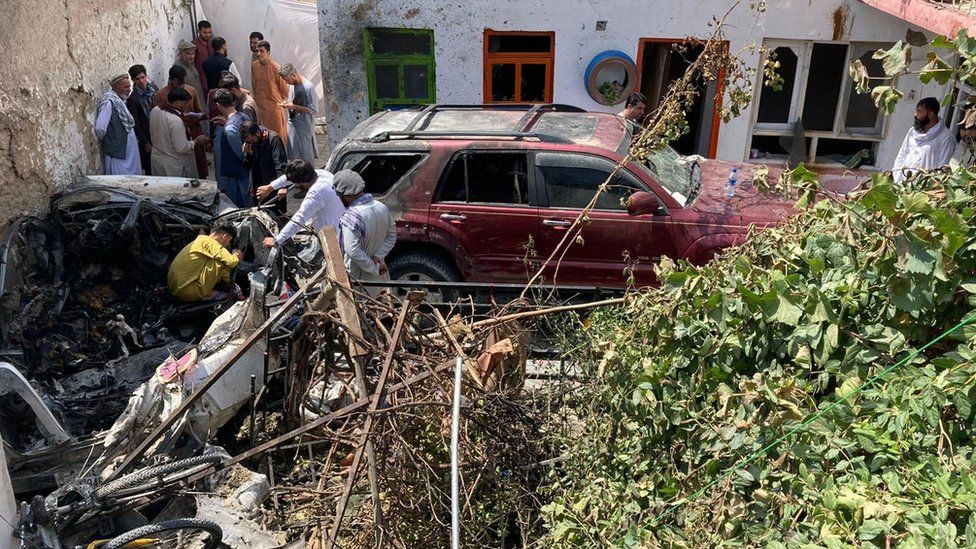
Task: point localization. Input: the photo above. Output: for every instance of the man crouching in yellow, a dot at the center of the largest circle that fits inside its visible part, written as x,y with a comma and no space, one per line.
203,263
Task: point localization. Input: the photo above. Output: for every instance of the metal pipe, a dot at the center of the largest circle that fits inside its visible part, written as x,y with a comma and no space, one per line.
455,485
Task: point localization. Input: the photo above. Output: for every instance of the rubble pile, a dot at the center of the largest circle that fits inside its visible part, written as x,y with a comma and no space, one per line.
382,458
84,310
337,404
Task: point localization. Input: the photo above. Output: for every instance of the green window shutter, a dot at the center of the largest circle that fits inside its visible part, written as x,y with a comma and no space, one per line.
400,69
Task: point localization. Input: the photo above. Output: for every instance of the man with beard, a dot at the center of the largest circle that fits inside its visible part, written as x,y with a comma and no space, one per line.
929,144
115,130
214,67
187,59
634,108
204,50
140,102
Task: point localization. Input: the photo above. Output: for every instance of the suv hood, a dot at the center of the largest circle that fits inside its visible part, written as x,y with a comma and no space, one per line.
753,206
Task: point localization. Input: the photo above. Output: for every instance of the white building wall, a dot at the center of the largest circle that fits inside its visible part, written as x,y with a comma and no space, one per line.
458,36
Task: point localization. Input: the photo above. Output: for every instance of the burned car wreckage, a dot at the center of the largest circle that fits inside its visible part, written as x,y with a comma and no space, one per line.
94,351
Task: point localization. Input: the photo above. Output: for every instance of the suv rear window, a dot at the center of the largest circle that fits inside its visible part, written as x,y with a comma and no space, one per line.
381,171
487,178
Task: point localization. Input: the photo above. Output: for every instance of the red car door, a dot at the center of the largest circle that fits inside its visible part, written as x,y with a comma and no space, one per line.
612,239
481,211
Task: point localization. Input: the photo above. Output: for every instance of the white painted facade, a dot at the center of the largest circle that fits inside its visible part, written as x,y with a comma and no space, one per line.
458,29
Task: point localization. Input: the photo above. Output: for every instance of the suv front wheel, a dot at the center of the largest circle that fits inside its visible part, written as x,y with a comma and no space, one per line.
424,267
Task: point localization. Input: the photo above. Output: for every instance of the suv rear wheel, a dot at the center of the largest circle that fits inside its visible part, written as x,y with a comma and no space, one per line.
424,267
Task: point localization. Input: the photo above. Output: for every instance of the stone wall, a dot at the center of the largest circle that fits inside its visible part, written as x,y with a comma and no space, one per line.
58,57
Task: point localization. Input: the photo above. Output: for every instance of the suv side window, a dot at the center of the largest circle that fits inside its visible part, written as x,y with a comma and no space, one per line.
486,178
571,180
381,171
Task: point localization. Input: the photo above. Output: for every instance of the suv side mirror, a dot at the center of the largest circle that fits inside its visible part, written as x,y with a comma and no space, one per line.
643,203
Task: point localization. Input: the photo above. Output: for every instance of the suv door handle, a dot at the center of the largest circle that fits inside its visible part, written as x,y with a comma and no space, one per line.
556,223
454,217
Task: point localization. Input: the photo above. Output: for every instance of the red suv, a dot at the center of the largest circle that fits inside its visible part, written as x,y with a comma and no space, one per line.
482,193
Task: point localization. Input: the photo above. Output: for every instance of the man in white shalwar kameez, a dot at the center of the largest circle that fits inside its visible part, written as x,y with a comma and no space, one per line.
320,208
301,116
929,144
115,130
173,149
368,230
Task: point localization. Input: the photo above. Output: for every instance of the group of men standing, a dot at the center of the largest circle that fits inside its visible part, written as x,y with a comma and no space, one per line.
204,109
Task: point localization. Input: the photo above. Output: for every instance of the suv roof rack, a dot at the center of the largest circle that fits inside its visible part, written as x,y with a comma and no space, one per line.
528,107
546,138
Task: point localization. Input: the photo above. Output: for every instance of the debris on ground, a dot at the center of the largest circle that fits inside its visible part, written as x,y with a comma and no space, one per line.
334,404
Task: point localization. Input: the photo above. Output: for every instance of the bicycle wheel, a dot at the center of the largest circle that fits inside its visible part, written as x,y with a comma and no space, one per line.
153,478
183,533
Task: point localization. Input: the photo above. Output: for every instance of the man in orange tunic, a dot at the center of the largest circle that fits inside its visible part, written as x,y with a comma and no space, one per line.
269,90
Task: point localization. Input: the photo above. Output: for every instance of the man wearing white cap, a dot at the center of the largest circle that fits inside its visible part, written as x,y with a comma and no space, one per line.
115,130
368,229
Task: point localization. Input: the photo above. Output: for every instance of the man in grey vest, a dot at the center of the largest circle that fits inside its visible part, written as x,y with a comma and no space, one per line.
115,130
187,59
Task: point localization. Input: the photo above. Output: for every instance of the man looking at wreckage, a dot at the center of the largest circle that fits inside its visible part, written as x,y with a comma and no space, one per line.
202,264
368,231
320,208
265,159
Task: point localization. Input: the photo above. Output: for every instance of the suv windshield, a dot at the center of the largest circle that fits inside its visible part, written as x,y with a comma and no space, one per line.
671,170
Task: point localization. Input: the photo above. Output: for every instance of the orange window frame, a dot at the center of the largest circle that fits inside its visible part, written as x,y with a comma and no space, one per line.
519,59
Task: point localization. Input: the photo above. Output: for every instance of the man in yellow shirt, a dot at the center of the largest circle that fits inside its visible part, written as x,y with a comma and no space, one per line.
203,263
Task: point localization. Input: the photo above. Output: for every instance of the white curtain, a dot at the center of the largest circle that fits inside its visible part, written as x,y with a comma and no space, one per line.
291,26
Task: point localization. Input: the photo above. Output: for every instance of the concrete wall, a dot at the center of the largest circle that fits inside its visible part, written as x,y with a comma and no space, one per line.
58,57
458,37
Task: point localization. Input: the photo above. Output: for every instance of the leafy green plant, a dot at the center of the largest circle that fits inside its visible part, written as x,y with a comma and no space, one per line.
611,91
722,359
896,61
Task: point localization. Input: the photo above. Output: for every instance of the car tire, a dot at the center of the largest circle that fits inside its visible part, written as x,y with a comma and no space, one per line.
424,267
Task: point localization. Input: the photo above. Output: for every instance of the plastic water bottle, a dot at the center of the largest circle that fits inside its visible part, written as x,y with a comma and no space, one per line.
733,179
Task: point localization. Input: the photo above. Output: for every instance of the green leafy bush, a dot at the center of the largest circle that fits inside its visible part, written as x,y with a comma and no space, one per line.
691,378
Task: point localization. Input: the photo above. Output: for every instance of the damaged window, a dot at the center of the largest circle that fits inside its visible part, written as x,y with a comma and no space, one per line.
381,171
399,68
816,104
518,67
487,178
